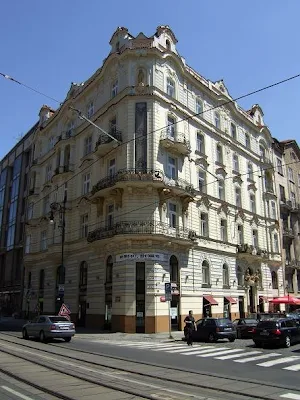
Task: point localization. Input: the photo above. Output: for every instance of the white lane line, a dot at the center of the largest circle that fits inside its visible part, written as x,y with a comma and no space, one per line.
170,348
219,353
244,354
278,361
190,349
211,350
293,367
208,349
291,396
266,355
15,393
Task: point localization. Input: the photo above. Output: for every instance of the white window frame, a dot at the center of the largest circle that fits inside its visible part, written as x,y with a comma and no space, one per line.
84,225
90,109
171,87
172,208
202,181
252,200
273,210
204,225
235,163
238,196
250,171
171,129
112,167
86,183
88,144
44,240
114,88
200,144
247,140
255,238
219,153
221,188
290,174
240,234
172,168
223,230
199,106
27,244
233,130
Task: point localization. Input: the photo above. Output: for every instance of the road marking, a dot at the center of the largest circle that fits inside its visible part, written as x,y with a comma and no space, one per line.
190,349
278,361
219,353
291,396
266,355
244,354
293,367
170,348
18,394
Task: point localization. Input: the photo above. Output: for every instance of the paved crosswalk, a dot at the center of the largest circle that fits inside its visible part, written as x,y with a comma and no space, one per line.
263,359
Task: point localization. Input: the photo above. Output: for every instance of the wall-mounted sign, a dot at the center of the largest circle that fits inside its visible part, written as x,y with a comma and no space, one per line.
140,256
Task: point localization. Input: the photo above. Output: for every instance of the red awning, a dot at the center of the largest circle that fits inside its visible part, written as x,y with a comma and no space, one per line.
230,300
285,300
210,299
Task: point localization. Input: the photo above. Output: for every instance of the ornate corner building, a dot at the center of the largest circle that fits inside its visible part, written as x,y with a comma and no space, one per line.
175,185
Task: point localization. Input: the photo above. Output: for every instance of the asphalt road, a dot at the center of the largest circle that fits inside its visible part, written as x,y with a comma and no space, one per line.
273,375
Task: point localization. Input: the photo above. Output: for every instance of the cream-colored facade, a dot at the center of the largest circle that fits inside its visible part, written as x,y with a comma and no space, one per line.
184,195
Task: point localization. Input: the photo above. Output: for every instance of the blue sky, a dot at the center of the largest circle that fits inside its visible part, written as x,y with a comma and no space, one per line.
47,45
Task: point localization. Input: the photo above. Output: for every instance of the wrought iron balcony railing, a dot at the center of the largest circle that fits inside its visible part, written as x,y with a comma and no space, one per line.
104,139
140,228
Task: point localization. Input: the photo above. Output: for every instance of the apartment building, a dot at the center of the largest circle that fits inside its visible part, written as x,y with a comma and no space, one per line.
14,169
176,185
287,156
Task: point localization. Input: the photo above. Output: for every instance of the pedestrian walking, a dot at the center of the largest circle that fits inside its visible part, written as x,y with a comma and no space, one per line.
190,326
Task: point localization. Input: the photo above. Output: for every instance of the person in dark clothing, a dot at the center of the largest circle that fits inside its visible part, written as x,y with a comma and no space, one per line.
190,326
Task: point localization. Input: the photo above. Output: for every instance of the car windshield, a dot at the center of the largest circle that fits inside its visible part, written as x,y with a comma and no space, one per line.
267,324
251,321
224,321
58,319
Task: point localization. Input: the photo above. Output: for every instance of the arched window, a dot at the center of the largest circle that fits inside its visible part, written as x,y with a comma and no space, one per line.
205,273
240,276
168,44
83,273
109,269
274,280
174,273
60,275
225,275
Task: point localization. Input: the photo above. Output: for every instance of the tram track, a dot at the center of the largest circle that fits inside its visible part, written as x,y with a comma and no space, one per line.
131,371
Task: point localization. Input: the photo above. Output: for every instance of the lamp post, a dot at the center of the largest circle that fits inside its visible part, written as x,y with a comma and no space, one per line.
61,209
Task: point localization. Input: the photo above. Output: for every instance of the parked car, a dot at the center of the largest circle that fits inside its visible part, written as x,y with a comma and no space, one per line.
212,329
244,327
47,327
283,332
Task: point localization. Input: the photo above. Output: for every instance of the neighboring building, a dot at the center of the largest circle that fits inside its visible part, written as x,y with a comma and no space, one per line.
182,199
14,169
287,156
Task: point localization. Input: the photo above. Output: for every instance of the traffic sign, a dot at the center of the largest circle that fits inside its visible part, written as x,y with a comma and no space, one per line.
168,287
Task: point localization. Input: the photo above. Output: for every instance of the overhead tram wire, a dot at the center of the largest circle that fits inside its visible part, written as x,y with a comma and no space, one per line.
149,133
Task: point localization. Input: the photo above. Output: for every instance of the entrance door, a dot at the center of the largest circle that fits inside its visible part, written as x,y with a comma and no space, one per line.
227,310
82,313
242,306
206,308
251,300
140,295
175,313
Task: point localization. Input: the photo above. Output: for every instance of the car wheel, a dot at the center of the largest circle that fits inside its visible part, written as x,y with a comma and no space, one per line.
67,339
211,338
42,337
25,334
257,343
287,341
231,339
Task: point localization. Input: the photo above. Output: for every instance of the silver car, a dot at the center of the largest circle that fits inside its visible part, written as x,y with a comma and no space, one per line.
47,327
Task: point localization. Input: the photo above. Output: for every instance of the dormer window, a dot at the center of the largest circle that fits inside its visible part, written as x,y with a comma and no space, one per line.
199,106
168,45
170,87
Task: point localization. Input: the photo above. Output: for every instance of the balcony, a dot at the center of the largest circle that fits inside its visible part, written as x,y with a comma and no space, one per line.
288,233
285,204
105,143
139,177
295,207
265,161
144,228
63,169
175,142
250,252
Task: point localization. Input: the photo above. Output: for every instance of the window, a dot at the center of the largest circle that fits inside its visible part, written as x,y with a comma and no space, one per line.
235,163
27,244
87,145
170,87
282,193
225,275
84,225
70,129
217,120
109,270
168,44
221,188
240,234
50,143
240,276
174,270
247,141
250,171
30,211
223,230
171,127
205,273
293,199
252,203
219,154
46,204
202,181
273,210
279,166
199,106
48,173
172,170
204,224
44,240
90,109
274,280
254,238
276,243
233,130
114,88
110,215
262,153
238,197
113,126
172,215
83,273
290,174
112,167
86,183
200,143
10,238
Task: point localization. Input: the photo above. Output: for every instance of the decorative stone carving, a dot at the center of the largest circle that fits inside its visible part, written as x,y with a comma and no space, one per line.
253,279
164,195
99,201
204,200
83,203
238,179
221,171
254,220
240,214
252,187
185,203
223,207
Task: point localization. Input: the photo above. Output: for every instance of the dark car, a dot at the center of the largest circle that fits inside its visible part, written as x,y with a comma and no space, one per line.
212,329
282,332
244,327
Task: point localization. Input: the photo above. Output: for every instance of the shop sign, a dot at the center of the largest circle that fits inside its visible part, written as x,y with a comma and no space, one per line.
140,256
